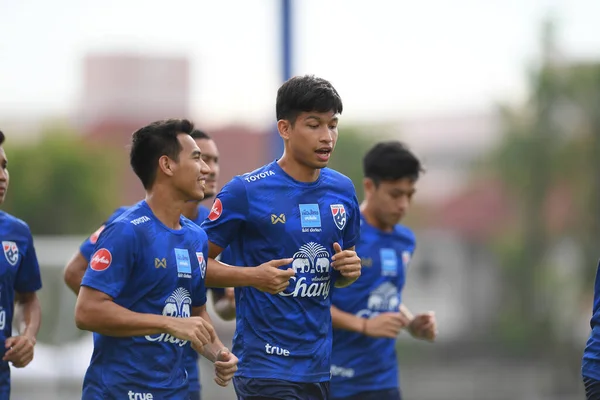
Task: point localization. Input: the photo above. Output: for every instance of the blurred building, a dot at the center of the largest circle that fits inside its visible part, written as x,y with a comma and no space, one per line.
122,92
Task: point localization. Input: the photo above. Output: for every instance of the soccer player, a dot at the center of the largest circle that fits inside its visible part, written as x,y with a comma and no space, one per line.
143,294
19,282
368,316
223,301
591,355
304,214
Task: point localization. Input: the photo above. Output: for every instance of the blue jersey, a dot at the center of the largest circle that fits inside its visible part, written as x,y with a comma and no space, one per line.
191,355
267,215
591,355
87,247
148,268
361,363
19,272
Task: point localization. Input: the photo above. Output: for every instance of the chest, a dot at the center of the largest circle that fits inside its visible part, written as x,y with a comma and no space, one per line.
13,251
383,259
304,216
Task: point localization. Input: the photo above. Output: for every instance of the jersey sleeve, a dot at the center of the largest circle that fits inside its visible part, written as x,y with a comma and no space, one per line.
28,277
87,247
228,214
352,231
198,276
113,259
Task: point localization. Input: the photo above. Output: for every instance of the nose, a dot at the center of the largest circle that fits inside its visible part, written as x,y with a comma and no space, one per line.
326,136
204,168
3,175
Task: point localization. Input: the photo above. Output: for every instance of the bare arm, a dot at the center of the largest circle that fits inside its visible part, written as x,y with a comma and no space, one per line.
266,277
209,351
222,275
350,322
74,271
224,304
97,312
29,312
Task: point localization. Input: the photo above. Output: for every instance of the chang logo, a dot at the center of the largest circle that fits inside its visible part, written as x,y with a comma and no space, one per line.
311,264
383,299
178,305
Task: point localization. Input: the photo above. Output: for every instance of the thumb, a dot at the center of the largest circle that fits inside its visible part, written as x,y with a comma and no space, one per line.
223,355
8,343
281,262
337,248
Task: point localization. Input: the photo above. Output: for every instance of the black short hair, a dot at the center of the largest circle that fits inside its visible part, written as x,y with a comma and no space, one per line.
306,93
2,138
197,134
390,161
153,141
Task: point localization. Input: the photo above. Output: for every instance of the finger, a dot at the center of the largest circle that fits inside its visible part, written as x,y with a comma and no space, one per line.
211,332
281,262
281,287
8,343
15,348
220,381
287,273
22,353
337,248
342,261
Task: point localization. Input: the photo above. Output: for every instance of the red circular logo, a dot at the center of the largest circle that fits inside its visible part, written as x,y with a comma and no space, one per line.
101,260
216,210
95,235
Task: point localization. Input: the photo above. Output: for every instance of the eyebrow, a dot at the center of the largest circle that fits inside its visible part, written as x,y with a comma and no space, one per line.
334,119
196,153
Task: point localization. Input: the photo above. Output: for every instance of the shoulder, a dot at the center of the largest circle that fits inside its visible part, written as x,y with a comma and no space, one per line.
193,228
337,179
15,224
405,233
259,175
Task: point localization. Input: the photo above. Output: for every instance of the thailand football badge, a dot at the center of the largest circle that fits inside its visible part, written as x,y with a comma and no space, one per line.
339,215
11,252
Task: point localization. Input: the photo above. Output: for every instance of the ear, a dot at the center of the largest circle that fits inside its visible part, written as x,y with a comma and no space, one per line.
368,185
166,165
284,127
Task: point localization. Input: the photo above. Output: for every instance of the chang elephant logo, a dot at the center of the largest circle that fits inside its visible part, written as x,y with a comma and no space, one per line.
383,299
312,267
177,305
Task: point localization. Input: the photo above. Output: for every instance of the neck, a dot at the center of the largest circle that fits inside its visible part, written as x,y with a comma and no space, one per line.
191,212
369,216
299,172
165,206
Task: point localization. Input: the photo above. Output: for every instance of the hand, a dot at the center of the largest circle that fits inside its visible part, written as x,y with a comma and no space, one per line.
346,261
225,367
19,350
230,296
386,325
269,278
196,330
424,326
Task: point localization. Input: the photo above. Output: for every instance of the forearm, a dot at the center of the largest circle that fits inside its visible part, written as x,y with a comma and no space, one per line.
30,315
406,312
74,272
110,319
221,275
343,320
73,280
210,351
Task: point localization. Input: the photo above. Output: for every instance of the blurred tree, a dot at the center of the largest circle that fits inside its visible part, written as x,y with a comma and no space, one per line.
60,184
352,145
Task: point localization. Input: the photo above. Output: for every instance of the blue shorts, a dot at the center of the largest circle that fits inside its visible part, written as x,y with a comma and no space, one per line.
592,388
386,394
195,395
276,389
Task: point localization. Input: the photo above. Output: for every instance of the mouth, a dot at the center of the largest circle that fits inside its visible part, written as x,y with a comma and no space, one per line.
323,153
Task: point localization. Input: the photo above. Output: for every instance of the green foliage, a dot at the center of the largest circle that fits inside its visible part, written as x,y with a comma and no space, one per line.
350,149
60,184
